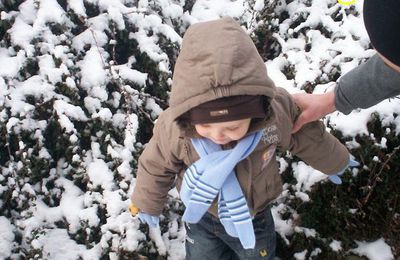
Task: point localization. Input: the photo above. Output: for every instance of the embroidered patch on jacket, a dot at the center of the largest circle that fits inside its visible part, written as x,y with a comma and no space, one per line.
270,135
267,156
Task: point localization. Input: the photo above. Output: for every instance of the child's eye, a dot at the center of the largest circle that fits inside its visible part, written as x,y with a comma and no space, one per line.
233,128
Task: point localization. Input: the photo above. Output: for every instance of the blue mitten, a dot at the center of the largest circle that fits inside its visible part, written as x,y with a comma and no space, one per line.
152,221
336,177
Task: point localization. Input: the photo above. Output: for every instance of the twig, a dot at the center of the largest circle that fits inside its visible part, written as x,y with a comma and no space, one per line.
379,173
123,91
97,46
143,11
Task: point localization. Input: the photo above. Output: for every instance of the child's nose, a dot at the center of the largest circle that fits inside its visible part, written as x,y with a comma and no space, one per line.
219,135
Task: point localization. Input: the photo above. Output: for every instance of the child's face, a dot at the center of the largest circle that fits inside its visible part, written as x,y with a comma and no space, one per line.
225,132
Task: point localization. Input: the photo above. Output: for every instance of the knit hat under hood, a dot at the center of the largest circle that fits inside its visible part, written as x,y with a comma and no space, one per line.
217,59
382,21
229,109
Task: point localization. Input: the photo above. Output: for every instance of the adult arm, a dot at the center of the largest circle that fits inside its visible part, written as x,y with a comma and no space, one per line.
362,87
366,85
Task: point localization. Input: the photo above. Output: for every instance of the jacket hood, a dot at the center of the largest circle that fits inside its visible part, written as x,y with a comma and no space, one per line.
217,59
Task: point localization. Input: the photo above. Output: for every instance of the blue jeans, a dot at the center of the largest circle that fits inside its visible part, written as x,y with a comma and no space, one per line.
208,240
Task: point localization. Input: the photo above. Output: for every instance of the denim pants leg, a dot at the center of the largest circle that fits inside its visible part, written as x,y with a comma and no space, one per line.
208,240
202,240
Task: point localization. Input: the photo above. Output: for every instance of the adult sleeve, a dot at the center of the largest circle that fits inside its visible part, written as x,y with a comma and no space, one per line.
366,85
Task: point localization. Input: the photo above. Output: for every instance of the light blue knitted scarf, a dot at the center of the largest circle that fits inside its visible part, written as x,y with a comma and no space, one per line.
214,173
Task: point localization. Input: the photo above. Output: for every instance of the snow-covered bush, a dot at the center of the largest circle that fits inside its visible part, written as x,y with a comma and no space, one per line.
82,82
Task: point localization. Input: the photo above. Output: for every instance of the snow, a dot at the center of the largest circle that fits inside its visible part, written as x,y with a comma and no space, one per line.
155,235
48,69
300,255
374,250
205,10
78,7
66,248
148,45
92,104
79,206
99,174
258,5
9,65
307,232
283,227
22,33
356,122
104,114
130,132
94,76
118,205
6,237
336,245
154,107
48,12
306,176
34,86
71,204
28,11
133,75
71,111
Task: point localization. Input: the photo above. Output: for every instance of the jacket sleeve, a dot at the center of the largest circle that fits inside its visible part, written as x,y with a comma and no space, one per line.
157,169
318,148
312,143
366,85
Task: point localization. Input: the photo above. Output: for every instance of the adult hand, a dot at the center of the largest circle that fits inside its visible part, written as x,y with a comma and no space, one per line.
313,107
